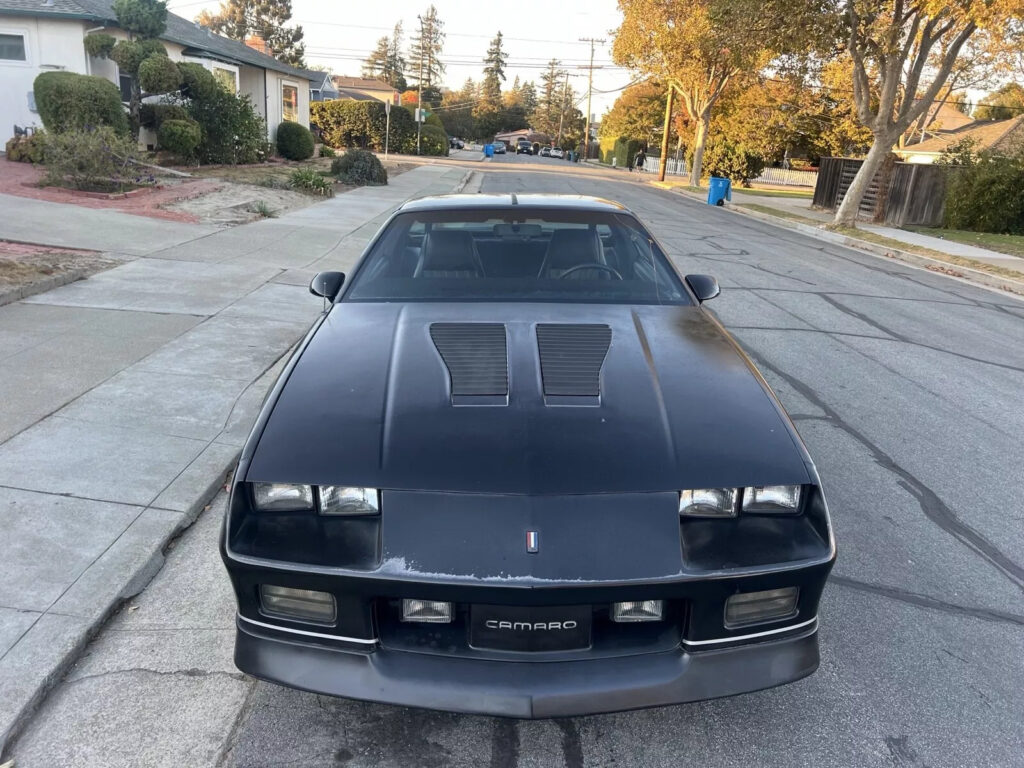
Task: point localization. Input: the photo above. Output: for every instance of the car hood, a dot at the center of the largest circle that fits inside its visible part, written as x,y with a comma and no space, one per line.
370,403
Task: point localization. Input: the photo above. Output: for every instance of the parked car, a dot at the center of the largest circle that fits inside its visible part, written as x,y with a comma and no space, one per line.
499,148
545,151
455,143
545,482
523,147
557,152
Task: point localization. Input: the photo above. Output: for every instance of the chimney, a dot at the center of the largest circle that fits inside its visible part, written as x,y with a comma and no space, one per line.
257,43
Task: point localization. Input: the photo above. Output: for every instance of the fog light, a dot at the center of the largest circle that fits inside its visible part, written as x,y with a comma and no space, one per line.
427,611
748,608
298,604
638,610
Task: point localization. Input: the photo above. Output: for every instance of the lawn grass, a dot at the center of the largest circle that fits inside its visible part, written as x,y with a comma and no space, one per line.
806,195
1010,244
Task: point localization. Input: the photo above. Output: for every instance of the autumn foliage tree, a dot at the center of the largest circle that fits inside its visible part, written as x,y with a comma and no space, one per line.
903,52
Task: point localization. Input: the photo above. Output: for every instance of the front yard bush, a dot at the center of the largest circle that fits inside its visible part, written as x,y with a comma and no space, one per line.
26,149
361,124
311,180
326,151
180,137
984,191
95,159
294,141
233,132
359,167
433,141
68,101
153,115
728,160
158,74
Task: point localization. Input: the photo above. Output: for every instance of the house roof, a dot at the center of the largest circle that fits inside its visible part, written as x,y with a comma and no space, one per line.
320,79
998,135
179,30
369,83
348,93
947,118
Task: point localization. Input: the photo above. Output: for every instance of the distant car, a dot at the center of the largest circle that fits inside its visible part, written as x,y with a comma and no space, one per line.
523,147
557,152
545,151
455,143
499,148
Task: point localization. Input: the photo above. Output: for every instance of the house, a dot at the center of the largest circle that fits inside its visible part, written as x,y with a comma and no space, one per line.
46,35
321,85
367,86
998,135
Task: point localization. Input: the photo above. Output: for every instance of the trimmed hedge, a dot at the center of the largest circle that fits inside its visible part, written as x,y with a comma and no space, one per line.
728,160
294,141
153,115
68,101
158,74
361,124
433,141
180,137
358,166
984,190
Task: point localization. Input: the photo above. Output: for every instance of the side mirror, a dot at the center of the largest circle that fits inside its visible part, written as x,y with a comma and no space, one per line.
704,286
327,284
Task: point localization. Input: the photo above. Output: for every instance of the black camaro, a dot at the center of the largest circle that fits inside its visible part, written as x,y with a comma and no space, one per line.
517,469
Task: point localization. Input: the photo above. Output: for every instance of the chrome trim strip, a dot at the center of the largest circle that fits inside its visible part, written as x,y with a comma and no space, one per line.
324,635
737,638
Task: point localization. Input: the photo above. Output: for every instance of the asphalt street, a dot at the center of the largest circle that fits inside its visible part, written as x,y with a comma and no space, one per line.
906,386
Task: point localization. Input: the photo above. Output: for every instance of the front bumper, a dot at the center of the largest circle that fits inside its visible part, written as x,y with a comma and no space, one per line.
525,689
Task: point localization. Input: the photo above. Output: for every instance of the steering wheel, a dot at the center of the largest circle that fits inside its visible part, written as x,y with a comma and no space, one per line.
604,267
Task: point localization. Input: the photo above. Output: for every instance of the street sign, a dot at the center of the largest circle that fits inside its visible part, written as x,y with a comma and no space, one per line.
387,107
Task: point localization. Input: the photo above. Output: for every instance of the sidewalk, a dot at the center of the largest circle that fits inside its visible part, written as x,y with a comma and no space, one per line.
126,398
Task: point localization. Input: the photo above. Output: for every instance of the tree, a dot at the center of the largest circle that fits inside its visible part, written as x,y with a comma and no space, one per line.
893,44
703,46
549,103
386,62
1002,104
639,113
494,73
456,111
265,19
425,62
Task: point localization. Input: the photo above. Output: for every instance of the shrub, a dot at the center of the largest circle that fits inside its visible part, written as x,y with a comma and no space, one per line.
93,159
433,140
180,137
326,151
99,45
310,180
158,74
232,130
357,166
153,115
362,124
197,82
129,54
294,141
27,149
728,160
69,101
624,151
984,191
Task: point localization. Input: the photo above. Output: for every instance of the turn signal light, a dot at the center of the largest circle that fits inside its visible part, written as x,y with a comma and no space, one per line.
427,611
638,610
298,604
746,608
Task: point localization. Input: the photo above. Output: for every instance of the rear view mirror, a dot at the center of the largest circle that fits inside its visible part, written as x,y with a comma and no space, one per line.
705,287
327,284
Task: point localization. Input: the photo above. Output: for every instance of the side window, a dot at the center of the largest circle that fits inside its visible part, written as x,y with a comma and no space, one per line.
290,103
12,47
227,78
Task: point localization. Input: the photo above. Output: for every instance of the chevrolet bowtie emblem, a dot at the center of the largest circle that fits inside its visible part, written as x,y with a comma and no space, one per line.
532,541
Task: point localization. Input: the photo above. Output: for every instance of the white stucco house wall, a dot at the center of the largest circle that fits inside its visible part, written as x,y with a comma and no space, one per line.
39,36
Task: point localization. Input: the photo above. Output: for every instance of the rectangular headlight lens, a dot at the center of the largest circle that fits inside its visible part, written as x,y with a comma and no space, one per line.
341,500
427,611
775,499
638,610
748,608
709,502
298,604
282,497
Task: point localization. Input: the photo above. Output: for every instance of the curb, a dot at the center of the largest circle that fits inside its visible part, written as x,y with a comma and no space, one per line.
945,268
40,286
462,184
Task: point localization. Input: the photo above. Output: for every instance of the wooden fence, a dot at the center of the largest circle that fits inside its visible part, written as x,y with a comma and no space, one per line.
898,195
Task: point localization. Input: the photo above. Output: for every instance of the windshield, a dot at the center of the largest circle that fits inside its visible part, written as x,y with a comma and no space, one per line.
509,254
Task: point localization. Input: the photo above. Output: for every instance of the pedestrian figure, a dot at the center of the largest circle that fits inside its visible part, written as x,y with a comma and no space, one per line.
641,158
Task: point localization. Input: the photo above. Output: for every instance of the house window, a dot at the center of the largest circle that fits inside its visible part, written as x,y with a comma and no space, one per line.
124,82
290,103
227,78
12,47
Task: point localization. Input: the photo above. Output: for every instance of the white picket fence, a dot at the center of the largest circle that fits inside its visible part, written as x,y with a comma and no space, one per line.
779,176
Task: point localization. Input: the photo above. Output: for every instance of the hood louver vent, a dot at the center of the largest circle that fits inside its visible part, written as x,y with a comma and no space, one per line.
571,357
476,356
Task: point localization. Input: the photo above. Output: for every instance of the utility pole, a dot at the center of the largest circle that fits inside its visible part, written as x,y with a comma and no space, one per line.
590,92
663,162
419,98
561,115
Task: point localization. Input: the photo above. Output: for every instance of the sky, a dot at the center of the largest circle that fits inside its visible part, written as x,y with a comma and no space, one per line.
339,34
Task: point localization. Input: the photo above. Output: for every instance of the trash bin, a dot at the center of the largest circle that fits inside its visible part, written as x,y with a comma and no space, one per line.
488,150
719,190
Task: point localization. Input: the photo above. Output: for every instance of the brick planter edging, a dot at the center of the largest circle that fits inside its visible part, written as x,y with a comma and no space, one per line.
98,195
10,295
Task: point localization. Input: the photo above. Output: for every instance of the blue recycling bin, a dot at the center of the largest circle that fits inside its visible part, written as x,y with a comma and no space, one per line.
488,150
719,190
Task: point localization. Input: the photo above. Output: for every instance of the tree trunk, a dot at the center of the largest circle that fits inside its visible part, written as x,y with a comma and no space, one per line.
699,140
846,216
